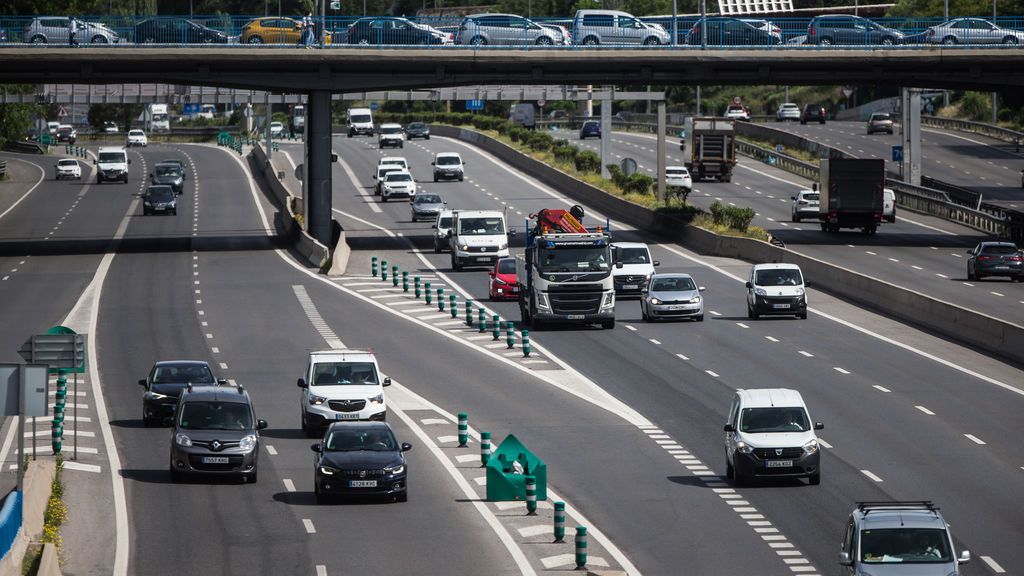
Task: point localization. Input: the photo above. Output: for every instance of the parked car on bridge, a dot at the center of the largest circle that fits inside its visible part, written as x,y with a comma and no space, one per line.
54,30
787,111
273,30
847,30
724,31
394,31
880,122
505,30
971,31
176,31
615,28
765,25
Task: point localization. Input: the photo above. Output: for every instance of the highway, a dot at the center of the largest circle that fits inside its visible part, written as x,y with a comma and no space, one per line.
918,252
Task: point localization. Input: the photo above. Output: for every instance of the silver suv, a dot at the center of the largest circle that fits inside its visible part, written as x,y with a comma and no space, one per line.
593,27
899,538
505,30
49,29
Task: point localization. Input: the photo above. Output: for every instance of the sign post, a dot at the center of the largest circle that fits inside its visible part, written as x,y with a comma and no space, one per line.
62,350
23,393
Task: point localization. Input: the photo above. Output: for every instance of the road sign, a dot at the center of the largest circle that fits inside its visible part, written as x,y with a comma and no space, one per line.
336,5
474,104
56,350
373,106
628,166
897,153
62,113
541,103
190,109
847,91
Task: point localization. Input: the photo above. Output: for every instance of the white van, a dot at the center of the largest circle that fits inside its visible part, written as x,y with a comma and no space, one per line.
478,238
770,434
634,266
112,164
360,121
523,115
448,165
889,205
774,289
342,384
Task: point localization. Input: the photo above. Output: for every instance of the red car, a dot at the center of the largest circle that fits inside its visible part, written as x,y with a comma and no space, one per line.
502,280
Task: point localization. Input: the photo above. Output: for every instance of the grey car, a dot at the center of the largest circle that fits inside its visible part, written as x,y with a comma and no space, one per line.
216,433
850,30
971,31
995,259
504,30
897,538
615,28
426,206
168,174
672,296
880,122
54,29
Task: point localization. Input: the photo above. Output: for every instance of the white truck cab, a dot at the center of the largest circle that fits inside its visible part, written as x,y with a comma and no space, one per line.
478,238
341,384
112,164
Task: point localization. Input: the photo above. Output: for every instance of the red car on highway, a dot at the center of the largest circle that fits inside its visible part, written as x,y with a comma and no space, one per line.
502,280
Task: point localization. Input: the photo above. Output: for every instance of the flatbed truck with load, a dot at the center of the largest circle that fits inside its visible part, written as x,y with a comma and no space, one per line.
712,148
851,193
565,274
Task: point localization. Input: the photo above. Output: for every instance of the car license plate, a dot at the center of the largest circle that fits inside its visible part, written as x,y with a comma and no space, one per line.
780,306
779,464
1002,267
347,416
630,286
674,307
575,317
483,259
215,459
362,483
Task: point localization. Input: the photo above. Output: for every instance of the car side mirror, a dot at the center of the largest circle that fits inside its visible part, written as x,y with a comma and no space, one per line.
729,428
433,226
406,446
374,176
315,447
818,426
387,381
129,160
168,421
150,174
844,559
749,285
970,252
618,264
94,162
261,424
432,164
656,263
222,381
965,557
512,232
301,383
449,234
142,382
445,202
701,288
792,197
491,273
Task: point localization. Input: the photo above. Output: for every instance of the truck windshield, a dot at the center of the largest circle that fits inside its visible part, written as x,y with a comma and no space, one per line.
112,157
159,117
904,546
481,226
588,259
344,373
361,119
779,277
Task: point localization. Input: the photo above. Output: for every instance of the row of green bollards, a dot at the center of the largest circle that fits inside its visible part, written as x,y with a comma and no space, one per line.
78,151
57,432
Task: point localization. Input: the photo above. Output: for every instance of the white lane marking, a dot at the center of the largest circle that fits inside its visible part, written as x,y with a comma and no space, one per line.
321,570
871,475
682,357
993,565
535,530
308,524
289,485
870,252
712,374
808,354
823,443
941,275
73,465
447,439
432,421
916,267
975,439
742,325
631,328
772,338
713,313
840,370
893,260
997,294
881,388
315,318
653,341
925,410
271,450
223,366
463,458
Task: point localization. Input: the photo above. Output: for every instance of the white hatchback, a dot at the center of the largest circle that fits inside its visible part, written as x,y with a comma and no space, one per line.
678,177
806,204
137,138
68,168
397,183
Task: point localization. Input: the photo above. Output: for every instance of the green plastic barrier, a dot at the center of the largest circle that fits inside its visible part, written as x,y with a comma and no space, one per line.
504,482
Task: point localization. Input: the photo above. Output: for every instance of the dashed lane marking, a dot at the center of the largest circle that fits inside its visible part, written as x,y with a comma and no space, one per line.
975,439
74,465
881,388
925,410
805,353
289,485
871,475
993,565
271,450
840,370
432,421
308,524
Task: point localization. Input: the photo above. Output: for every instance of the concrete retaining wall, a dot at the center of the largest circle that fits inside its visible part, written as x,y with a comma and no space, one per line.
38,479
986,333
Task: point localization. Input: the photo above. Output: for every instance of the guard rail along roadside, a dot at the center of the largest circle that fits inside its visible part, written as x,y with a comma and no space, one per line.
3,169
992,131
993,336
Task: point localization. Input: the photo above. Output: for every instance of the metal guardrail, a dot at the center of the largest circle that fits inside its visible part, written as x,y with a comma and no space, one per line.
778,159
992,131
936,203
3,169
10,521
27,147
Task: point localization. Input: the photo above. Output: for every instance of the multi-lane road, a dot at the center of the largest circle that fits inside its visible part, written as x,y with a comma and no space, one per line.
628,420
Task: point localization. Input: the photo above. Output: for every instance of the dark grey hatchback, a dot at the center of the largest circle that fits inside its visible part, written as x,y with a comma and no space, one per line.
359,458
995,259
164,384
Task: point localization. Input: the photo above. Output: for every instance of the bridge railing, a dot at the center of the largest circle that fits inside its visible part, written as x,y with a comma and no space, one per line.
992,131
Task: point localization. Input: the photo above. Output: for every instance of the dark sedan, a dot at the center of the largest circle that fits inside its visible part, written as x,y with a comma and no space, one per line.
590,129
394,31
168,174
722,31
359,458
159,200
164,384
995,259
176,31
813,113
417,130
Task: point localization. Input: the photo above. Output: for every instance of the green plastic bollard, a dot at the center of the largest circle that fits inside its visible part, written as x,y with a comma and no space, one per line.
58,413
485,448
55,436
559,521
427,293
394,275
581,546
61,395
526,343
405,281
453,306
463,429
373,266
416,286
496,327
482,320
383,270
510,339
469,313
531,495
440,299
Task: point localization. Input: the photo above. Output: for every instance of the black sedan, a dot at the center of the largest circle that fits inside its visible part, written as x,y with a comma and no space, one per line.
164,384
394,31
417,130
721,31
176,31
159,200
359,458
995,259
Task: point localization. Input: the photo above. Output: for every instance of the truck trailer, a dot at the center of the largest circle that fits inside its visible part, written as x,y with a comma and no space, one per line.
851,193
712,148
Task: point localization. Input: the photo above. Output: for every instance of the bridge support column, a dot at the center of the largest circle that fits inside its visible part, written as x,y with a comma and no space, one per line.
606,135
660,184
317,142
911,129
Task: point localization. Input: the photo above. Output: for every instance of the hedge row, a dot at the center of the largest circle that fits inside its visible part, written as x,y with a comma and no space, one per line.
731,216
636,182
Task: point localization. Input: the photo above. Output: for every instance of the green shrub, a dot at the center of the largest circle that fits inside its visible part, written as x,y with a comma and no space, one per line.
587,161
638,183
740,218
540,141
565,152
718,213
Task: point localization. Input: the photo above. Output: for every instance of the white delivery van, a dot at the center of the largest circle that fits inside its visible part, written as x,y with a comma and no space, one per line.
341,384
112,164
478,238
360,121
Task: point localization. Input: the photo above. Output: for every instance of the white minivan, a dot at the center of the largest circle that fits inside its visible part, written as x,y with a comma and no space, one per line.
341,384
478,238
111,164
776,289
889,205
360,121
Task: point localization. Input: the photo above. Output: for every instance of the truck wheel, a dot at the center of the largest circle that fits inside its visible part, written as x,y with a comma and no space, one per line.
608,324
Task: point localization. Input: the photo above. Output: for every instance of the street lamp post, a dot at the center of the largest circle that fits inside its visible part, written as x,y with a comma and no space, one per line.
995,95
675,29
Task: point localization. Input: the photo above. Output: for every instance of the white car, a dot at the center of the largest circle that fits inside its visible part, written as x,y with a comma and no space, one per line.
397,183
68,168
441,228
399,160
787,111
341,384
770,434
889,205
678,177
633,267
448,165
737,112
390,135
276,128
110,127
384,170
806,204
137,138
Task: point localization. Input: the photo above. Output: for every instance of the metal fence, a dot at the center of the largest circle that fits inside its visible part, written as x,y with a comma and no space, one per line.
992,131
481,32
3,169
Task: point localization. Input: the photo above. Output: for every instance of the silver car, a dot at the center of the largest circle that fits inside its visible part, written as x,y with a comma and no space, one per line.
54,29
672,296
426,206
505,30
806,204
971,31
615,28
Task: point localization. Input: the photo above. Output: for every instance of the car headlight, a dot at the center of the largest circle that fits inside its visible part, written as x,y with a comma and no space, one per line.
811,447
500,281
397,469
695,300
760,291
743,448
182,440
147,202
378,399
247,443
542,301
655,301
503,246
799,291
609,300
465,247
315,400
327,470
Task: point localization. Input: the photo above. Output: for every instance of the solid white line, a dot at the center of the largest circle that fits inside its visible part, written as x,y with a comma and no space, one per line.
310,529
993,565
975,439
871,475
321,570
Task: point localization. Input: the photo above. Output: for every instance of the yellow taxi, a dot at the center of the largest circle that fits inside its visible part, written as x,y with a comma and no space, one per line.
274,30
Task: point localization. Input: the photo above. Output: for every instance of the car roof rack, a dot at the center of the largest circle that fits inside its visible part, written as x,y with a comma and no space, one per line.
868,506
